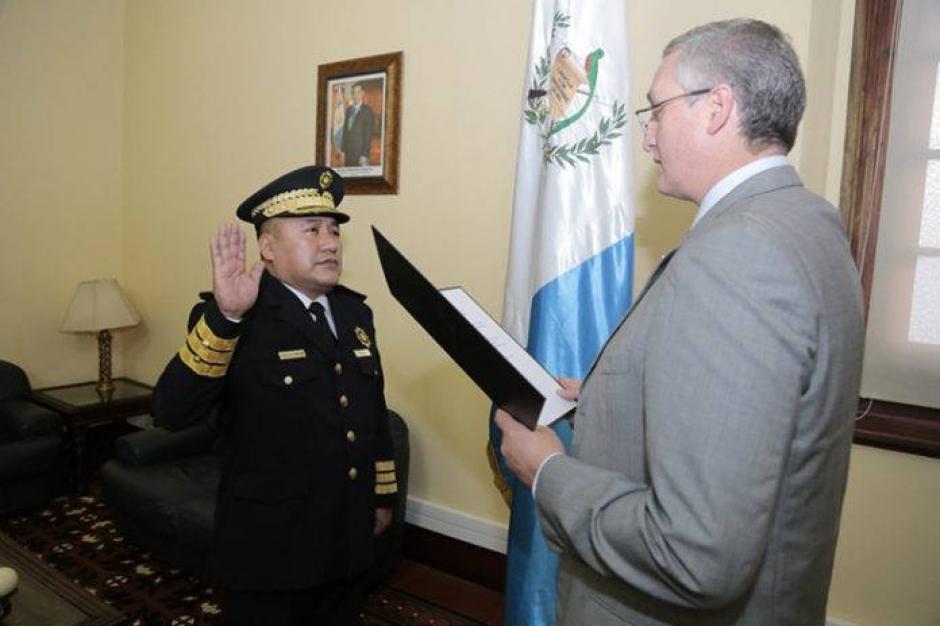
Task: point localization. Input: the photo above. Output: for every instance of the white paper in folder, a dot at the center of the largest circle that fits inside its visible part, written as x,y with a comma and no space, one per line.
555,406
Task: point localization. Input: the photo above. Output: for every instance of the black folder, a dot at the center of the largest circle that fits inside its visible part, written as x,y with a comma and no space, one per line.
499,379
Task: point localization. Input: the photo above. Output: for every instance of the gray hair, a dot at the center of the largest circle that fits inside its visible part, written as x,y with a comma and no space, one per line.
759,63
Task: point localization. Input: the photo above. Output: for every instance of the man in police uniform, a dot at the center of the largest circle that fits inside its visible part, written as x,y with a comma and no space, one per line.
289,356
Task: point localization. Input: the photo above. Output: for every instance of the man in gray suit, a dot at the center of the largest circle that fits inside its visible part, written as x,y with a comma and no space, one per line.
712,433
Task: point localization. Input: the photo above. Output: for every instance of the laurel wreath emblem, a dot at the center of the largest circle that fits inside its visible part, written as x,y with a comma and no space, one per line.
536,113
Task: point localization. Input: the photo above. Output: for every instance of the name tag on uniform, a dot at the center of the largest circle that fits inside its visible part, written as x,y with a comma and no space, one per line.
290,355
362,352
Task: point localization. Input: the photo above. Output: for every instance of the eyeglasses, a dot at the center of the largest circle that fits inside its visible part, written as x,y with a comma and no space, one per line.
651,113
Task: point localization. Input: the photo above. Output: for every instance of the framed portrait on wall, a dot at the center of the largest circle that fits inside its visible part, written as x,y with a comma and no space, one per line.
358,104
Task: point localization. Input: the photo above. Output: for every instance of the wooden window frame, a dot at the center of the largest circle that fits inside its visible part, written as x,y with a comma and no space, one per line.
902,427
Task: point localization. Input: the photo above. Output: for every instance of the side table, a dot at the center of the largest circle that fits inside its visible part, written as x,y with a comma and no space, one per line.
83,407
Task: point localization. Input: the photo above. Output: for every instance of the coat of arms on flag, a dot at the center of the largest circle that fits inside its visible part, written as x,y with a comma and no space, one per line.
563,90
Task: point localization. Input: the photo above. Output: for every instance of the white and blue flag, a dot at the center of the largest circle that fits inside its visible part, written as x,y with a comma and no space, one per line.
570,276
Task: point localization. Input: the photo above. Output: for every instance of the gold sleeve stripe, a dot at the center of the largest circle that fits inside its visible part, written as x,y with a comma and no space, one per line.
385,466
204,335
207,354
384,490
199,366
388,477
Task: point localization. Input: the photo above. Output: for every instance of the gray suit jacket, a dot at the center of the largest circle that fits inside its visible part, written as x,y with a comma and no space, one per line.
712,434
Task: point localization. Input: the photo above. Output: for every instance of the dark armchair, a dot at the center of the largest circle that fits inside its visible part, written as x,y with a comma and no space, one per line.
162,486
30,445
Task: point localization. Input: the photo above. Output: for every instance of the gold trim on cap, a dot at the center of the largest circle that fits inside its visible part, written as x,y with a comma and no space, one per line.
296,201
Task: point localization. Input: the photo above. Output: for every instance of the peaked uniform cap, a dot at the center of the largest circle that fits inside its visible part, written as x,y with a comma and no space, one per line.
312,190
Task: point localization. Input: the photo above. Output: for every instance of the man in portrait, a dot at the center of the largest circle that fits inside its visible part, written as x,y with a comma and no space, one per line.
357,132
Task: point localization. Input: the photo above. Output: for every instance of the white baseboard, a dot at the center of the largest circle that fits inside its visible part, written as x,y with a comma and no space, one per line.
453,523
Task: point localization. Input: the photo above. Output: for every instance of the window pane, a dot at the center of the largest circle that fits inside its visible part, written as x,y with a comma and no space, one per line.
925,305
930,218
935,119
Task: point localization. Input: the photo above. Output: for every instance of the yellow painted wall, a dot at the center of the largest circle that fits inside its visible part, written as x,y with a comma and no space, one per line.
886,571
198,103
61,108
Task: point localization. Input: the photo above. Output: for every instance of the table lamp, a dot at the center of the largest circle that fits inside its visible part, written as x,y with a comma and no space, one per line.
99,306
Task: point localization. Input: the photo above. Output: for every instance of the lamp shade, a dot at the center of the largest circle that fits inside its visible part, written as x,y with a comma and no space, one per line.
99,305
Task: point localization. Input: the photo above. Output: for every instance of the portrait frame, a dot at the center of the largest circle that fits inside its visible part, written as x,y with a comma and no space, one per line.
359,121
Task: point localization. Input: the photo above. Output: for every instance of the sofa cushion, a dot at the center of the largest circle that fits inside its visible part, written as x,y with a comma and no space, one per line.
155,493
22,419
20,459
158,445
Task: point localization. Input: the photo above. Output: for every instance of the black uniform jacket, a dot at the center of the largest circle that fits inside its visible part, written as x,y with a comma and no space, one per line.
308,456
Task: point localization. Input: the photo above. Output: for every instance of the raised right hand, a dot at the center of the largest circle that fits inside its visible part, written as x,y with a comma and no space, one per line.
234,288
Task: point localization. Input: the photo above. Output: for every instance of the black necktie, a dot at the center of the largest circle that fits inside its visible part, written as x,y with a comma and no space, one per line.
317,309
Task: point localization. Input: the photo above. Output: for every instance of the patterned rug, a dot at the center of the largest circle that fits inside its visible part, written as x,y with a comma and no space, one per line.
77,536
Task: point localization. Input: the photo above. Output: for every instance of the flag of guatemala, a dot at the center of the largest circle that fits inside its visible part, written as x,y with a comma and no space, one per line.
570,275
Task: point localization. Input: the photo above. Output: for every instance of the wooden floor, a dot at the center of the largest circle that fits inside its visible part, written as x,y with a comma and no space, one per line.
460,595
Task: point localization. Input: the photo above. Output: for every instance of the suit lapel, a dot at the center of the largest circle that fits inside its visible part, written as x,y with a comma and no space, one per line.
653,278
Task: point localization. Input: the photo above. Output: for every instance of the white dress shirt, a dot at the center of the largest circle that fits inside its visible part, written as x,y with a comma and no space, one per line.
322,299
727,184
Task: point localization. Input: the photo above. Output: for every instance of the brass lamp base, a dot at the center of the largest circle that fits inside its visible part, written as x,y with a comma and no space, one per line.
105,386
